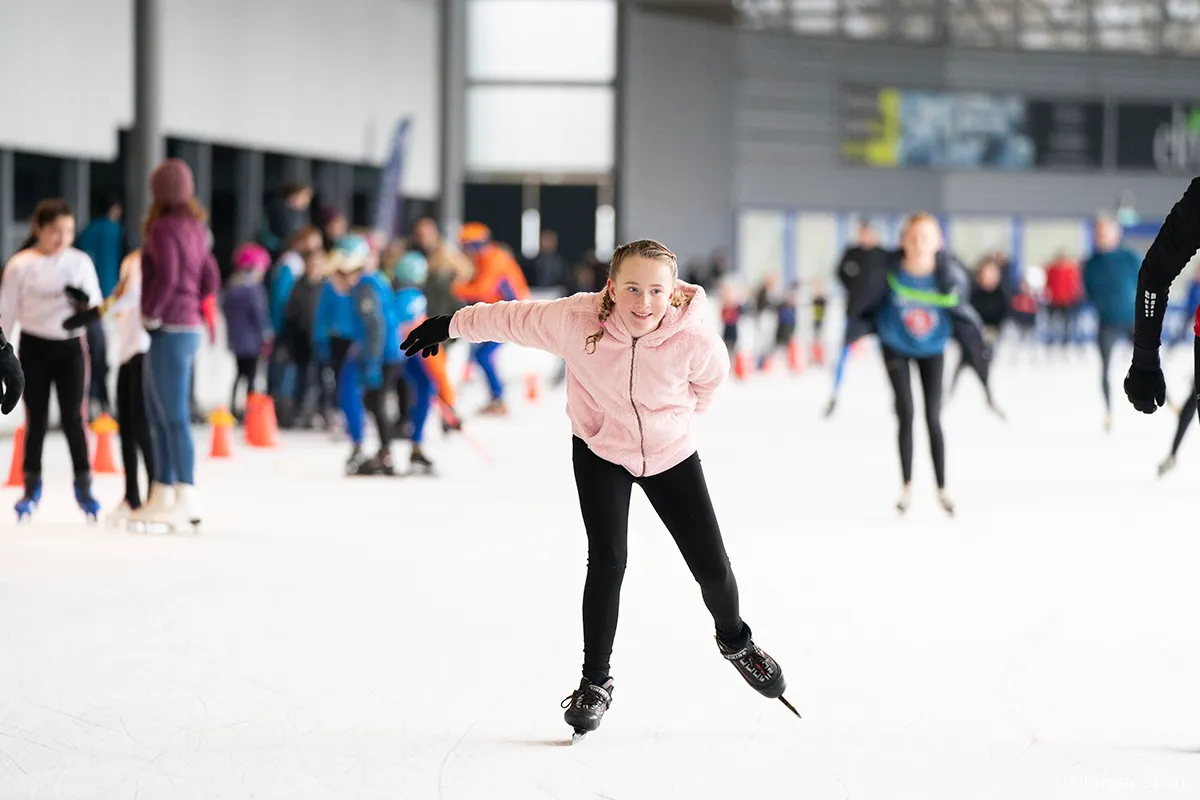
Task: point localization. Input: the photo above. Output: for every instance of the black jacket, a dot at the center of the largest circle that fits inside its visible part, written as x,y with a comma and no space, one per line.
1176,243
862,271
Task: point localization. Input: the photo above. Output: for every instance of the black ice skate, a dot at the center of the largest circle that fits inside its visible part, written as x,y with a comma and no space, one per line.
760,670
419,463
378,464
355,462
586,706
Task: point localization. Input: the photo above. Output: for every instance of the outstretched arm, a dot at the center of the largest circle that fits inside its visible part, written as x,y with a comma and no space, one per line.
1176,243
532,323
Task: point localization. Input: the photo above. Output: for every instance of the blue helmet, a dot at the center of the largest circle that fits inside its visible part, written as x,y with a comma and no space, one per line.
411,305
354,247
411,269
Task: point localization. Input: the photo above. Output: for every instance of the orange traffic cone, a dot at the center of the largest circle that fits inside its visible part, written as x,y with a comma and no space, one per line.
795,357
102,461
532,389
262,430
739,365
818,354
16,476
222,423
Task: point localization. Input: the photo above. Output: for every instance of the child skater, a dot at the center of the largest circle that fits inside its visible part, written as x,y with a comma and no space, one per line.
921,306
247,320
641,360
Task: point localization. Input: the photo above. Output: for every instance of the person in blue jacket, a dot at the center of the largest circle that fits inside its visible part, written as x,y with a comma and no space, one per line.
1110,279
373,358
920,308
332,328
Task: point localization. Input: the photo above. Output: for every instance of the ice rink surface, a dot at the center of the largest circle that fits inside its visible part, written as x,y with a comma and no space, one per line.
327,637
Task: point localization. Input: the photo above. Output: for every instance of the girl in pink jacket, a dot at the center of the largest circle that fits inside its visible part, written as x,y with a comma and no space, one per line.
641,359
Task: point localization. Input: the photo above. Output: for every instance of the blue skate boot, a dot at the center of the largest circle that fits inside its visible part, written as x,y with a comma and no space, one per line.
33,495
83,496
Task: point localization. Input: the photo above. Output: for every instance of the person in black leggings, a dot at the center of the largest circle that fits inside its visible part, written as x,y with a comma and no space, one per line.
650,333
915,316
46,283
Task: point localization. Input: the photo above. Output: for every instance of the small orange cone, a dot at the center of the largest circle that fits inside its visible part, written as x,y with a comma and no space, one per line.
739,365
466,374
262,430
532,389
818,354
767,364
222,423
102,462
16,476
795,357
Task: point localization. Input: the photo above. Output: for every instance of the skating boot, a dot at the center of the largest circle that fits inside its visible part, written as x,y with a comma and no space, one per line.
945,502
187,505
995,409
829,409
905,499
29,501
1166,466
118,516
419,463
586,706
355,462
495,408
157,513
760,670
83,496
378,464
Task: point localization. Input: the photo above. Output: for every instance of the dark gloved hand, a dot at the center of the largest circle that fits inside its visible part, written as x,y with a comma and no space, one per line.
78,297
427,336
1145,385
82,319
12,377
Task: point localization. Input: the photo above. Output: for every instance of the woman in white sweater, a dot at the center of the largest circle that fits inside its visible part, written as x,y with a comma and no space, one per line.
43,285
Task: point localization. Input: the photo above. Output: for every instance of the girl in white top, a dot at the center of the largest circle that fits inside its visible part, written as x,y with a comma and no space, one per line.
125,307
46,282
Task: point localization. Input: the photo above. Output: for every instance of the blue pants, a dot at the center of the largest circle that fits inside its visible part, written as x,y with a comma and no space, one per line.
483,355
423,392
168,384
350,400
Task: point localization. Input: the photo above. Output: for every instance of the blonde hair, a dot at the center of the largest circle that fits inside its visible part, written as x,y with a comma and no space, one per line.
642,248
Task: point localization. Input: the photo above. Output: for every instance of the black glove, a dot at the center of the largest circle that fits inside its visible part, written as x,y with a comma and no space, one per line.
78,297
12,378
1144,384
82,318
427,336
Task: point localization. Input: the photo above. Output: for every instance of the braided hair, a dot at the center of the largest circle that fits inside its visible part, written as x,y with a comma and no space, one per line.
643,248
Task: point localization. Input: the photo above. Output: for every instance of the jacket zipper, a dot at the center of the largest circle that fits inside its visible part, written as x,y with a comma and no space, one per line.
641,434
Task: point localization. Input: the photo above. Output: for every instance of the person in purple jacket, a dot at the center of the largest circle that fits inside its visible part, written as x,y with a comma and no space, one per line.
178,273
248,325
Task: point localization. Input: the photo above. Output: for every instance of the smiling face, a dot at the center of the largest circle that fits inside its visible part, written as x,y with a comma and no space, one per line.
641,291
56,235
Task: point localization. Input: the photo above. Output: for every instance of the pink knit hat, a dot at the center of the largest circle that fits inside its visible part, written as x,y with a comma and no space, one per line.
251,256
171,183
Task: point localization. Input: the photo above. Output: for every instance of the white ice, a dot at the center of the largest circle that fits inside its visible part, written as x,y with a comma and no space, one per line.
327,637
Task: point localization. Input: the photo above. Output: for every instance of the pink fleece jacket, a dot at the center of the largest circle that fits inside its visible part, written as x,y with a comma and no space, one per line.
632,400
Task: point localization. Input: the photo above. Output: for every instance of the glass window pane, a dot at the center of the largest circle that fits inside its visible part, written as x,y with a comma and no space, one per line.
572,40
539,129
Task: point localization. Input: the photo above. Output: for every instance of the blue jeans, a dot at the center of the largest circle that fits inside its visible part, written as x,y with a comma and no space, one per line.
168,380
484,354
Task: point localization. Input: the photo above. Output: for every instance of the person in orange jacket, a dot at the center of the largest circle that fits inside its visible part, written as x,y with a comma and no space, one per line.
497,278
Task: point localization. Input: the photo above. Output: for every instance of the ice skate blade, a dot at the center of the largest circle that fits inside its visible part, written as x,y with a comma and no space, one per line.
578,735
159,527
790,707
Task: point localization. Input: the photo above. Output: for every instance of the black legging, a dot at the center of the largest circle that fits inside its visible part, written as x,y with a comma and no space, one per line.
680,497
247,370
1106,338
930,370
135,426
375,401
62,364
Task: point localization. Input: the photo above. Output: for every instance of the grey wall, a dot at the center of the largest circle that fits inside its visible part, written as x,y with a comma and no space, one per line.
786,138
676,133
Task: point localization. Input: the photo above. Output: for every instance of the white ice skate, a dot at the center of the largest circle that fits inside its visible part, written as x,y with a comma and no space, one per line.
119,516
905,499
157,514
945,502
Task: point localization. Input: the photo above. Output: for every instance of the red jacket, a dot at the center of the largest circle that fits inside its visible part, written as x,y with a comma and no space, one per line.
1064,283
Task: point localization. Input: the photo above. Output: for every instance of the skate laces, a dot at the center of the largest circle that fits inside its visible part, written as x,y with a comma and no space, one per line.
754,661
590,697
